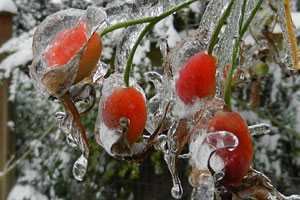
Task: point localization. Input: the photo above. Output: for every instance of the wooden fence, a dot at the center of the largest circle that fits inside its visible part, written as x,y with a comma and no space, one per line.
6,136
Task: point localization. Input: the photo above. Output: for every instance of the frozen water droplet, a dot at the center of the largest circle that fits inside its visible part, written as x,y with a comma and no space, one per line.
259,129
60,115
176,191
80,167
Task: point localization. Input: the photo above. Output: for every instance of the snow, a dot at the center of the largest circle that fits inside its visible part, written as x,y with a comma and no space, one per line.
8,6
20,53
25,192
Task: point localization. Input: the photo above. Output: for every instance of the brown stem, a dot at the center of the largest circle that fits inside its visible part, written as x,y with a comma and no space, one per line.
73,112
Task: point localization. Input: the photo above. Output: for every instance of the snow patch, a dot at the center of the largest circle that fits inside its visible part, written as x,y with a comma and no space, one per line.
8,6
25,192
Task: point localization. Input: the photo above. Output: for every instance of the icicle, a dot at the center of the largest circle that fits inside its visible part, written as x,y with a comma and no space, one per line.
170,158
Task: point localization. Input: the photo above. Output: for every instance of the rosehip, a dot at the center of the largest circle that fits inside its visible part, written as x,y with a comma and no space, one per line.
128,103
68,42
237,162
197,78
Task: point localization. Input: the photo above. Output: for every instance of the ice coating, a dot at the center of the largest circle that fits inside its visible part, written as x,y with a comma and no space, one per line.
157,104
133,11
288,58
202,147
113,140
56,81
125,45
223,49
100,73
206,189
259,129
170,157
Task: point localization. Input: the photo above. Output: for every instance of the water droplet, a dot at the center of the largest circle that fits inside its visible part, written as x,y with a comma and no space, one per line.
80,167
176,191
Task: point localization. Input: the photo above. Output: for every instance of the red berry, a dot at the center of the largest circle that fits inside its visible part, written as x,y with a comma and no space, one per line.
197,78
129,103
68,42
237,162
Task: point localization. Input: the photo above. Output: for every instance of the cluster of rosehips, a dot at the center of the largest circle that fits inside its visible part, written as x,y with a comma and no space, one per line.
196,80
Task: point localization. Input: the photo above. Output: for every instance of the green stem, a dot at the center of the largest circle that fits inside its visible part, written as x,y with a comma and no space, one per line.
153,21
125,24
243,28
250,18
133,50
221,22
242,16
145,20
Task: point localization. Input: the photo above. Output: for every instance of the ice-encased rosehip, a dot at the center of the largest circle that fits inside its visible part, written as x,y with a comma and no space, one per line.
128,103
68,42
66,49
237,162
197,78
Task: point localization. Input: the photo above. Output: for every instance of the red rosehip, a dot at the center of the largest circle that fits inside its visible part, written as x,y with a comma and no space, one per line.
197,78
68,42
129,103
237,162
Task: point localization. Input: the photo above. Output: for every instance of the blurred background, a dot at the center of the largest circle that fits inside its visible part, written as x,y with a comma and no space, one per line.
270,95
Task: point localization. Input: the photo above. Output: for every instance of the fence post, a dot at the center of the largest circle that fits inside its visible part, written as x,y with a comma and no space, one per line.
6,136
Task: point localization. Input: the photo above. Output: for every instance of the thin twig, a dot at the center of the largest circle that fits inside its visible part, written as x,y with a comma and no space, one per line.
10,167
